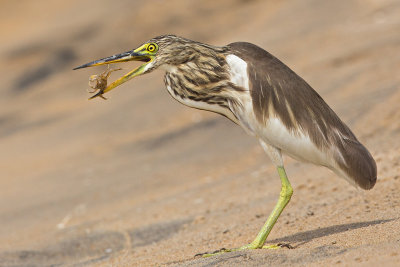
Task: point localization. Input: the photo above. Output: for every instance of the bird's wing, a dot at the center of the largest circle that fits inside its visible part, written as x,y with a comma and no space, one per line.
277,91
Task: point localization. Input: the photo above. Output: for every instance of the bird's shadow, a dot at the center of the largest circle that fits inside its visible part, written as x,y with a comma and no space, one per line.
307,236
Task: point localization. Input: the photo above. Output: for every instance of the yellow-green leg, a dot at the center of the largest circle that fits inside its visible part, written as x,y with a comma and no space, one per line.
284,198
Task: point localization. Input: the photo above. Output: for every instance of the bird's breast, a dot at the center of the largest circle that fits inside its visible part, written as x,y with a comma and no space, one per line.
195,98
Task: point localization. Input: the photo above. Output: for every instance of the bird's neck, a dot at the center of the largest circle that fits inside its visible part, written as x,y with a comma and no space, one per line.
199,87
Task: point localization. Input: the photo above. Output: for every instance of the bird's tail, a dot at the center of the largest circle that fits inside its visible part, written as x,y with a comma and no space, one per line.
357,163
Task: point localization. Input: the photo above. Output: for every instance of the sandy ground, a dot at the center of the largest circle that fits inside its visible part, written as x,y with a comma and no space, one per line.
140,180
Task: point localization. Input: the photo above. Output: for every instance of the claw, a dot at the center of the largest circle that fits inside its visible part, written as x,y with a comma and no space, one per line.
285,245
208,254
224,250
99,94
99,82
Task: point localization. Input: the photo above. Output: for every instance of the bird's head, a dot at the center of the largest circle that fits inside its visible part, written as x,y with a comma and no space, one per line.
163,51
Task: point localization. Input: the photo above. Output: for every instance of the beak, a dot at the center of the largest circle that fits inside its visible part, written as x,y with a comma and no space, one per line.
133,55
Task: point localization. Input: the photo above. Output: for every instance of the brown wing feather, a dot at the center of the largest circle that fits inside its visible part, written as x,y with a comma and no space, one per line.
276,89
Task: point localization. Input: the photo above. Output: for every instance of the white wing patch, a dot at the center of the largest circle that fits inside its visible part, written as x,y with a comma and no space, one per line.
239,77
238,71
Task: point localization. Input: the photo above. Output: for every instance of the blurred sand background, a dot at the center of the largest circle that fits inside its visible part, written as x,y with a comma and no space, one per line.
141,180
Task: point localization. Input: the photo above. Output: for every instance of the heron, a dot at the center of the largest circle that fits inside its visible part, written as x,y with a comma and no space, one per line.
258,92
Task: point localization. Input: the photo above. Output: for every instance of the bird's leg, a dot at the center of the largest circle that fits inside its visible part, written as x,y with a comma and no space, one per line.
284,198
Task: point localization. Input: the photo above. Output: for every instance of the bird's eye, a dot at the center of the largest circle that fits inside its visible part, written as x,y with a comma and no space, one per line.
152,47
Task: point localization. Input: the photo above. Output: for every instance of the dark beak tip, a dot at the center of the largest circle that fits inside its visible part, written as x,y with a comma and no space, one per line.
81,67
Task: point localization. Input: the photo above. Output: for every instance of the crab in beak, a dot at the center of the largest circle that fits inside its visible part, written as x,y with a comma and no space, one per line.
144,53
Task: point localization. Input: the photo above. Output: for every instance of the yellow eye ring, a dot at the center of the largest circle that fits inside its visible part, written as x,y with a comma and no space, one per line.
152,47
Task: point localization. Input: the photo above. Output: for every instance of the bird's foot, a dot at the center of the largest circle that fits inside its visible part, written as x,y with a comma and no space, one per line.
279,245
248,246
